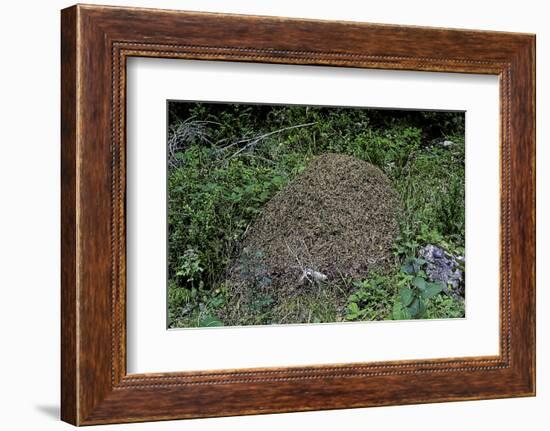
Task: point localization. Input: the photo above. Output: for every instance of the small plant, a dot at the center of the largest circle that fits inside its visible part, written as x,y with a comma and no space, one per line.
189,265
411,302
371,300
195,307
445,307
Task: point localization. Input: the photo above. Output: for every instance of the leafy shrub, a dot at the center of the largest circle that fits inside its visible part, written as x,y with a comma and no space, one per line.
372,299
414,293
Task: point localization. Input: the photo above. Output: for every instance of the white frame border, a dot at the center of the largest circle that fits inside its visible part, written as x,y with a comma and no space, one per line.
153,348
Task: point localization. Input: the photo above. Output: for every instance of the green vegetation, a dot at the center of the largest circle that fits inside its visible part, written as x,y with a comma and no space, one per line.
227,161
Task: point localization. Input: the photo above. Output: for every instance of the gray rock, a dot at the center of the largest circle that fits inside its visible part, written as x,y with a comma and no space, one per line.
446,143
444,267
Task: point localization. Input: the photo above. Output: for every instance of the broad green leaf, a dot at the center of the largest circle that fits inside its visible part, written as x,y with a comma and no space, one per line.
407,269
419,282
409,266
210,321
353,311
421,308
353,308
414,308
399,313
432,289
234,197
407,296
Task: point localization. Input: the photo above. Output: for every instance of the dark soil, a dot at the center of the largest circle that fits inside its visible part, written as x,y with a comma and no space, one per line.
337,219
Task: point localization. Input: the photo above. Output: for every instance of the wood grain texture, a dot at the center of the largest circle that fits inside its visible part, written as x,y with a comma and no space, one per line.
69,397
96,41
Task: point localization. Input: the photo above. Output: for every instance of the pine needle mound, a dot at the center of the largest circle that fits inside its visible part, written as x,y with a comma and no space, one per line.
337,219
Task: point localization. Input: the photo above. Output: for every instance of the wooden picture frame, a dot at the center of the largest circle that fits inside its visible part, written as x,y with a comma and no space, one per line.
95,43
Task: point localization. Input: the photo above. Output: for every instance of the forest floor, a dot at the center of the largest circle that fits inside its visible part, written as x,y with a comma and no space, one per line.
230,164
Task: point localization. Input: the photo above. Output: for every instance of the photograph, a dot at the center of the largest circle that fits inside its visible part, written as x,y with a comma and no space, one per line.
298,214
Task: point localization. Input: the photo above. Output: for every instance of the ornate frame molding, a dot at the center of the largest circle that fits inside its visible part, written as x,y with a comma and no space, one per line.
96,41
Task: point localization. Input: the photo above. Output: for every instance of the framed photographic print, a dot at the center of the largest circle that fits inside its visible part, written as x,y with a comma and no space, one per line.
266,215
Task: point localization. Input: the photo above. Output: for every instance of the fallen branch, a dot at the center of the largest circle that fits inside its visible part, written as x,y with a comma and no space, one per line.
183,134
252,142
